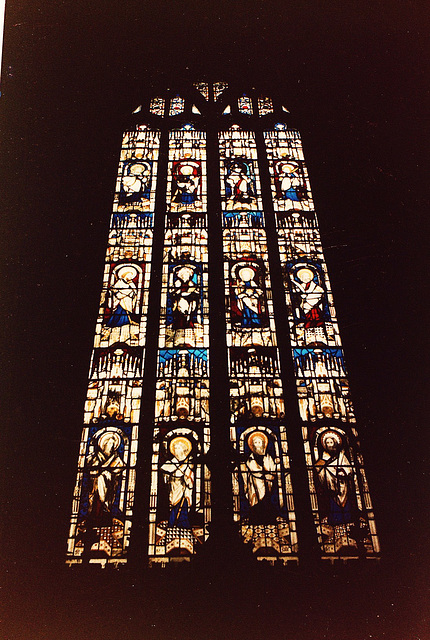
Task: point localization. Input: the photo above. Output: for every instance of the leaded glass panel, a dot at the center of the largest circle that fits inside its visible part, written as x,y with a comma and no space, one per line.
245,105
156,106
203,87
218,88
340,499
180,479
177,105
263,501
265,106
104,492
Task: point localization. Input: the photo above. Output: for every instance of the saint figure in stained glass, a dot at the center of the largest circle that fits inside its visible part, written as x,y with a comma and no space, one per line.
239,185
136,183
184,303
311,309
335,472
121,307
105,467
288,183
262,485
259,477
248,302
179,475
180,510
186,182
185,295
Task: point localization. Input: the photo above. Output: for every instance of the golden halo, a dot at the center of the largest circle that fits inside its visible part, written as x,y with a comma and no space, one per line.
109,435
186,170
331,434
128,271
138,168
246,274
288,167
305,270
180,440
257,434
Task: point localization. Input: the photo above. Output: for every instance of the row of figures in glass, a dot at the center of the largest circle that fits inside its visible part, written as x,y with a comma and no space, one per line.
185,299
260,484
186,190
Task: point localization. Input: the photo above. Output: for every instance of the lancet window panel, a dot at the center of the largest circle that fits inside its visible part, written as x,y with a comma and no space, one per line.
104,490
240,179
180,481
186,179
137,173
104,493
340,498
289,178
123,303
250,319
262,491
310,304
180,509
184,311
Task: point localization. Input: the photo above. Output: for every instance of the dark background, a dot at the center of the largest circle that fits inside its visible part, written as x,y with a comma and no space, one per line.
353,75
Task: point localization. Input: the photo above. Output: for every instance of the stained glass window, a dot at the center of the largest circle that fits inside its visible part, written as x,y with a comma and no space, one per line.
265,106
156,106
262,492
259,430
180,479
340,497
218,88
245,105
203,87
177,105
104,492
